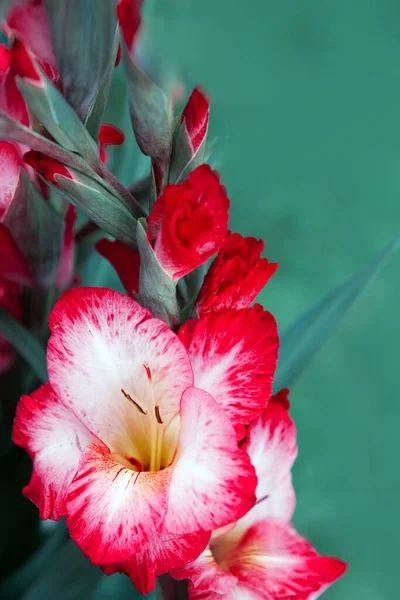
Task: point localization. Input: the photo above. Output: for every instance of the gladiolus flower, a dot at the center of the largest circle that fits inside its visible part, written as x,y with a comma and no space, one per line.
262,557
189,221
143,464
236,276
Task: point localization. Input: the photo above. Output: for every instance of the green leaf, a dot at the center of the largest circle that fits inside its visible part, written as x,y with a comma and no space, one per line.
157,289
83,33
25,343
38,230
61,121
100,206
10,129
300,343
20,580
67,575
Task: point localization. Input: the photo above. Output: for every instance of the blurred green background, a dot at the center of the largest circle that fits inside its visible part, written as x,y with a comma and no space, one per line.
305,115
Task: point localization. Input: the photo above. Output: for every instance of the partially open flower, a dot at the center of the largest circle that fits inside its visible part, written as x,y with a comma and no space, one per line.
262,557
142,463
189,222
236,276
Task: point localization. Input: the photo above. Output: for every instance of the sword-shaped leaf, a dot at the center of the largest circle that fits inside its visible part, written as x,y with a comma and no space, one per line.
25,343
300,343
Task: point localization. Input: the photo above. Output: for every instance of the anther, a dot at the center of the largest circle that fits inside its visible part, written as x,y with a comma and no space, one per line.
128,397
158,416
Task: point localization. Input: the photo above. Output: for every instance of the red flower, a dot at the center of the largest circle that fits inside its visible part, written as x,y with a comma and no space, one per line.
189,222
262,556
142,463
236,276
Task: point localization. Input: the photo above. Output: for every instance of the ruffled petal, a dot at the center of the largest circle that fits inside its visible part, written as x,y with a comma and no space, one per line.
206,576
189,221
234,355
103,348
162,553
271,445
213,481
112,510
273,561
55,440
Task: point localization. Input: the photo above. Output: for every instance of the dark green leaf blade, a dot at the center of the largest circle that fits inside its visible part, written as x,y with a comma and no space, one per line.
67,575
25,344
300,343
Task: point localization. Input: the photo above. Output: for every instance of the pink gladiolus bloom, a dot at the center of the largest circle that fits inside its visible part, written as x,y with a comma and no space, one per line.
133,439
262,557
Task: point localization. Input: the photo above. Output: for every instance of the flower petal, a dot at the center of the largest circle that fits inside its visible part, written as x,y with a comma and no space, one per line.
55,439
163,552
274,561
10,169
236,276
101,344
206,576
189,221
234,355
125,261
271,445
213,481
112,510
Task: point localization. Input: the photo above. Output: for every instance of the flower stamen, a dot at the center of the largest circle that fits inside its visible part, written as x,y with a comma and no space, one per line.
128,397
158,416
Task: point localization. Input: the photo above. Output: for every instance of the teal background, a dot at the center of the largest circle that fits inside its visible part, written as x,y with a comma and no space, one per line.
305,114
